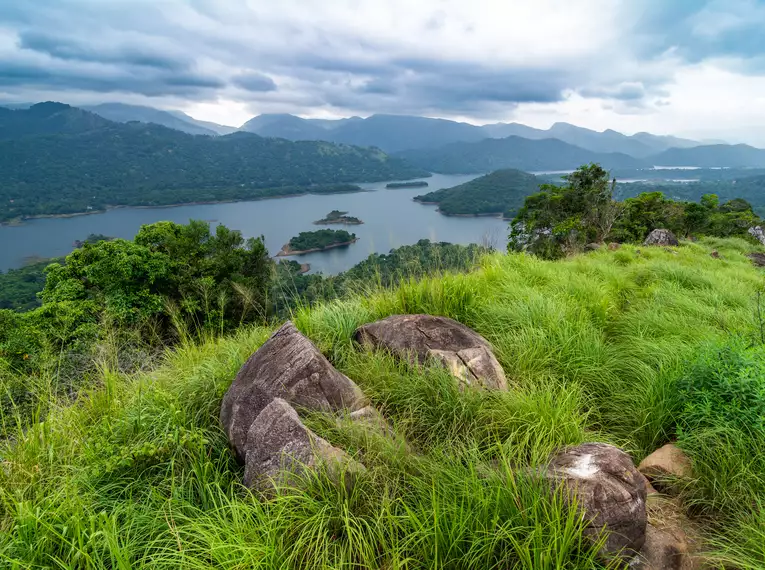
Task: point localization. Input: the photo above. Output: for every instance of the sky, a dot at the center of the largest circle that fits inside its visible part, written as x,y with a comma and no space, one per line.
686,67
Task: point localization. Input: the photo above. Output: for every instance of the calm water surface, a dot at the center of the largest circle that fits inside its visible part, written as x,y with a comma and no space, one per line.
391,219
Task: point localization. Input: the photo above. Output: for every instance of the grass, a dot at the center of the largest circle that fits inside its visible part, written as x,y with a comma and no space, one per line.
136,472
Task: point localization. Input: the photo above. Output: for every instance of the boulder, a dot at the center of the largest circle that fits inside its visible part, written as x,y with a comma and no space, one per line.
613,246
672,540
592,246
290,367
419,338
758,259
758,234
611,493
661,237
667,462
664,549
280,449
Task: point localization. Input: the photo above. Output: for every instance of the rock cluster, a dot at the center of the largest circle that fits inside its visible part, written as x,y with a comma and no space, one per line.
288,375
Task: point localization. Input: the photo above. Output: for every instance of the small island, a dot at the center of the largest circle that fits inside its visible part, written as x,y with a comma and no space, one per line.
415,184
92,239
319,240
338,217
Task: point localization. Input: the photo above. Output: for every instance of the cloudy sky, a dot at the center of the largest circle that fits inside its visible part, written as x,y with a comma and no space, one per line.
688,67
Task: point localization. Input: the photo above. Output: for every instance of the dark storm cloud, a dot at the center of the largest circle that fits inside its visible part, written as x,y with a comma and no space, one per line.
203,50
78,49
256,82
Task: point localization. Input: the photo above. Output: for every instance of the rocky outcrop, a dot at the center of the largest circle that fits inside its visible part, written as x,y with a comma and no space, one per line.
758,234
280,449
661,237
290,367
419,338
610,492
665,464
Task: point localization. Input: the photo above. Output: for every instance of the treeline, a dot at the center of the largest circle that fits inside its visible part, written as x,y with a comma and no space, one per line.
561,220
173,282
62,171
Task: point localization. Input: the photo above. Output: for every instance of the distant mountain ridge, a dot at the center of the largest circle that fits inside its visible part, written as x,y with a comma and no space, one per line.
123,113
513,152
393,133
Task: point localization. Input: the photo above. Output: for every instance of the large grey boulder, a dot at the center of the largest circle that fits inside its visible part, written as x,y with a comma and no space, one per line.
418,338
661,237
290,367
280,449
610,492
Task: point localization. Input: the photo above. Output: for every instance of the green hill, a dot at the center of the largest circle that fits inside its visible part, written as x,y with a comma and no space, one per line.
501,192
637,347
62,160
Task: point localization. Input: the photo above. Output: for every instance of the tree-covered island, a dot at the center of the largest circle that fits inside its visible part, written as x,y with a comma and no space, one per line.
339,217
319,240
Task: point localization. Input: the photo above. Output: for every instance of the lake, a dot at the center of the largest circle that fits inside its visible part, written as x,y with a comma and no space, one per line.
391,219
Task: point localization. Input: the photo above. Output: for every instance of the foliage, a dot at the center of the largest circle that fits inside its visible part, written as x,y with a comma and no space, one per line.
501,192
319,239
93,164
19,287
138,473
292,290
560,220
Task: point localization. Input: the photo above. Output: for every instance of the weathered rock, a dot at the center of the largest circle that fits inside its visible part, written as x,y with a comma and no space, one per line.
667,462
280,449
290,367
758,233
592,246
664,549
758,259
613,246
418,338
672,542
611,493
661,237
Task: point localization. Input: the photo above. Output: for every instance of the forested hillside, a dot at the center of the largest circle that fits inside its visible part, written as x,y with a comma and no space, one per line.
501,192
76,161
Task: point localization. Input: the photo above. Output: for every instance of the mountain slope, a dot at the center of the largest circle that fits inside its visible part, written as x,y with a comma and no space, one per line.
285,126
513,152
501,192
215,127
47,119
712,156
147,164
121,113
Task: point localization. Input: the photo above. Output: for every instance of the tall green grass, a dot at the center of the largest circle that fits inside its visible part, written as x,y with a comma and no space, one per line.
136,472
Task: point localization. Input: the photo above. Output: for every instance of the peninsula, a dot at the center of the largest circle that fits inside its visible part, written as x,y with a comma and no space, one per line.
415,184
319,240
338,217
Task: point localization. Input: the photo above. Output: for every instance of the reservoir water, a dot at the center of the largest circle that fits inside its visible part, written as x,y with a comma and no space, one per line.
391,219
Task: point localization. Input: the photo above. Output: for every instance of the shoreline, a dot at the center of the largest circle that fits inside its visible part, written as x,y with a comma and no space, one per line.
286,252
21,221
337,223
500,215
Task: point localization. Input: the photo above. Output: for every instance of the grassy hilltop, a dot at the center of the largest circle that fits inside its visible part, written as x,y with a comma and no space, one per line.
635,347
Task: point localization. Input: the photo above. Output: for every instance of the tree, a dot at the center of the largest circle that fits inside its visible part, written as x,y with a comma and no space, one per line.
561,219
169,271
